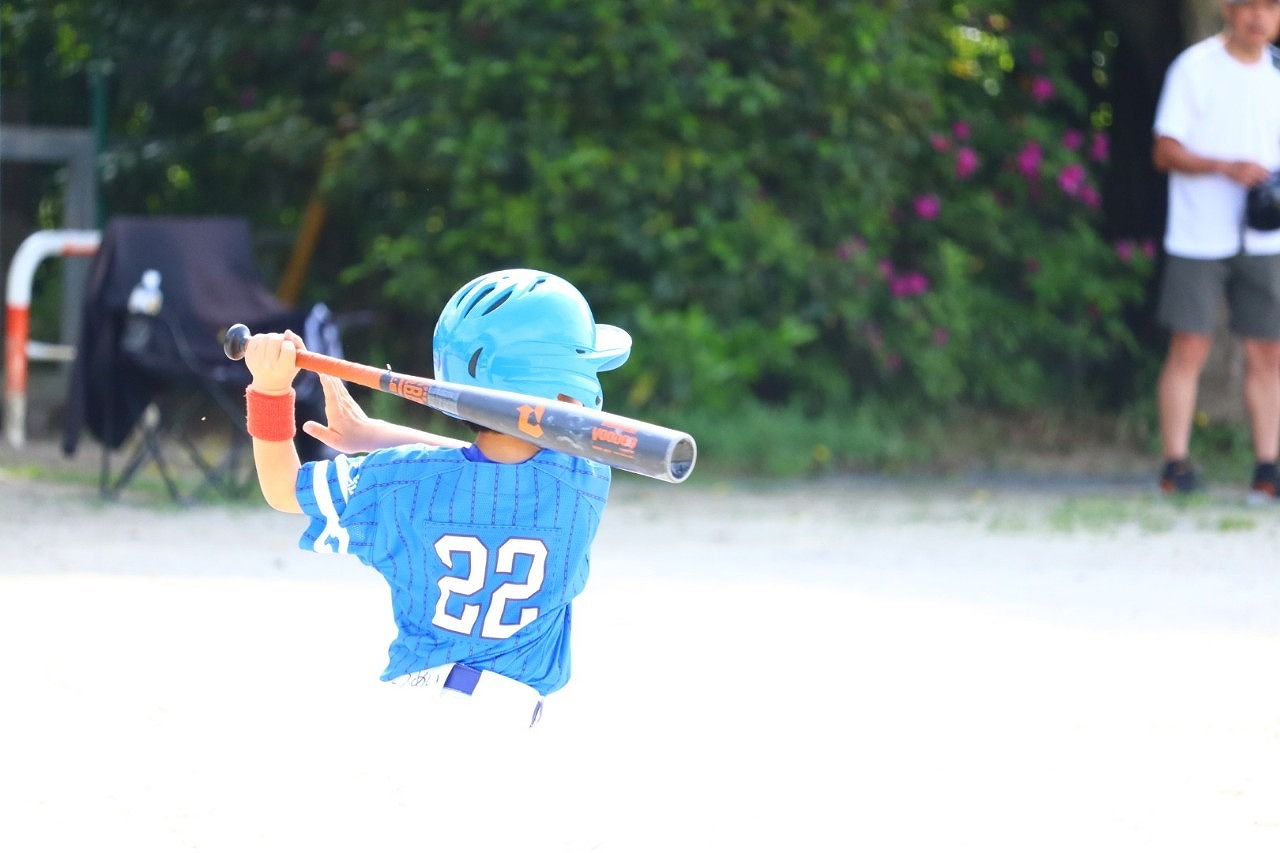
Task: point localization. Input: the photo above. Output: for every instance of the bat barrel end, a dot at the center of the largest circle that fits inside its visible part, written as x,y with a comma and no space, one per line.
684,453
236,339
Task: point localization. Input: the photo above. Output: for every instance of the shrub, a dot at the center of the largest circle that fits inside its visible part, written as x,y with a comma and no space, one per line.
809,205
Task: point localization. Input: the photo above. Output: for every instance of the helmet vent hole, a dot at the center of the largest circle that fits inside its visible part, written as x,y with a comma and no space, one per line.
475,359
480,293
497,303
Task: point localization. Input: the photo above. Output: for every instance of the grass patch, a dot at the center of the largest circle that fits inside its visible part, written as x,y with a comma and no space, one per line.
776,444
1150,515
146,487
1096,515
771,441
759,440
1235,523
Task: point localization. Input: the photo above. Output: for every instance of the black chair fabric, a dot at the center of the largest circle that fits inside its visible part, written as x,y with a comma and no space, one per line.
130,360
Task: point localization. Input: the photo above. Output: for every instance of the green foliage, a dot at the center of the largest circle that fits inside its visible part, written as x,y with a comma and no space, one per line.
760,440
826,208
691,360
983,277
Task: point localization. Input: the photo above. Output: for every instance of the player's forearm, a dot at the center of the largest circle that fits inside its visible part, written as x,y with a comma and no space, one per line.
381,434
278,464
350,430
270,418
1170,155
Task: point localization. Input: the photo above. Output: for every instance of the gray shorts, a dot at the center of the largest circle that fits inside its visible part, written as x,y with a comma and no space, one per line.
1191,292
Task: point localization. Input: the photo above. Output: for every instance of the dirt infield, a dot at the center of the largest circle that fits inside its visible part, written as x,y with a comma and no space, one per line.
844,664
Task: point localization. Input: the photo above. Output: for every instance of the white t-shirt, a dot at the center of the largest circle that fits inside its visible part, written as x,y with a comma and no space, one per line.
1218,107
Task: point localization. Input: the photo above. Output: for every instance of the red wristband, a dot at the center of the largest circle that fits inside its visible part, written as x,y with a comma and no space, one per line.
270,416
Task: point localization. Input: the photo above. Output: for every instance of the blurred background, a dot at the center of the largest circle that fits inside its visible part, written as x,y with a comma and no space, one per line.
908,235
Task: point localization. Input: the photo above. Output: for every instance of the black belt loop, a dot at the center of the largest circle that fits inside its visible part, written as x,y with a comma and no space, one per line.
462,678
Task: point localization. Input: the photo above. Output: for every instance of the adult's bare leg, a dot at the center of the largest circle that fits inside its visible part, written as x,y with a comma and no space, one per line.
1262,396
1177,390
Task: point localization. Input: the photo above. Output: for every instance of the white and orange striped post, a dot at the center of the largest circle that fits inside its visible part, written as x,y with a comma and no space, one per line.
18,348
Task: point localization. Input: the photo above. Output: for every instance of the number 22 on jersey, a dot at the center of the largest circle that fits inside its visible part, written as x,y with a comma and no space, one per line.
492,627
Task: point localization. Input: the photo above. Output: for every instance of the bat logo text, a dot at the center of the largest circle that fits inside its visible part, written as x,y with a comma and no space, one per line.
623,442
405,387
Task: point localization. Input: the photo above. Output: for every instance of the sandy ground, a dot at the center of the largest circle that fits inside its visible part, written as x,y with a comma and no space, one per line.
831,665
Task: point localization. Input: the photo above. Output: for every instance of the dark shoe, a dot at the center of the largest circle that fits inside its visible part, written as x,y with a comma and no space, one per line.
1178,478
1265,485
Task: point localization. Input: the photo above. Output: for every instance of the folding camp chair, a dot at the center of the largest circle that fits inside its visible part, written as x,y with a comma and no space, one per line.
150,376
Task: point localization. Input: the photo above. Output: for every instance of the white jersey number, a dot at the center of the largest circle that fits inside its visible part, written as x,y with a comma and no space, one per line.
492,628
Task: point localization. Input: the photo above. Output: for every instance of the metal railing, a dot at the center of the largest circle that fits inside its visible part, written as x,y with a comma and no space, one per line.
19,349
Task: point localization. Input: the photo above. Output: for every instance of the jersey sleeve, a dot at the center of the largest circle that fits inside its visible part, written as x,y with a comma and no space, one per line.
1176,108
340,521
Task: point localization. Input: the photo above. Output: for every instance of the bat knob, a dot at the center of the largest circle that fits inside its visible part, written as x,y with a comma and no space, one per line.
236,340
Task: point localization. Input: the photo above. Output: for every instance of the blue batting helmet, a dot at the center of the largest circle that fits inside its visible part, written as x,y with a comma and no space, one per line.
529,332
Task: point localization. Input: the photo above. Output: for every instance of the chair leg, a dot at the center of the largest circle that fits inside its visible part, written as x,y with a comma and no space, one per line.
149,447
229,474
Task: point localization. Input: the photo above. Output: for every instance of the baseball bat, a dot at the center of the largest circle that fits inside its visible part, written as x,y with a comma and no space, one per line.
624,443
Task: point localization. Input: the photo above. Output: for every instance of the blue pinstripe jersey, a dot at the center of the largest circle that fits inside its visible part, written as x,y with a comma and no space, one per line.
483,559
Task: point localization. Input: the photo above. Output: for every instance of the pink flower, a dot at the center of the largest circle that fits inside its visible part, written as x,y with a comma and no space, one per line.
1029,159
1149,249
928,206
940,337
1072,179
960,130
939,142
336,59
1124,250
1072,139
1036,55
966,163
1100,149
886,267
1090,197
892,361
908,284
1042,89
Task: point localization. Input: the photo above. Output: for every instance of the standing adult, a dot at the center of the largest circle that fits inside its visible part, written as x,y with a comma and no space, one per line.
1217,134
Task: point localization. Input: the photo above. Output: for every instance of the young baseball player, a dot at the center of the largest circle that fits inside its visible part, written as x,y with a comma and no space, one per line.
484,545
